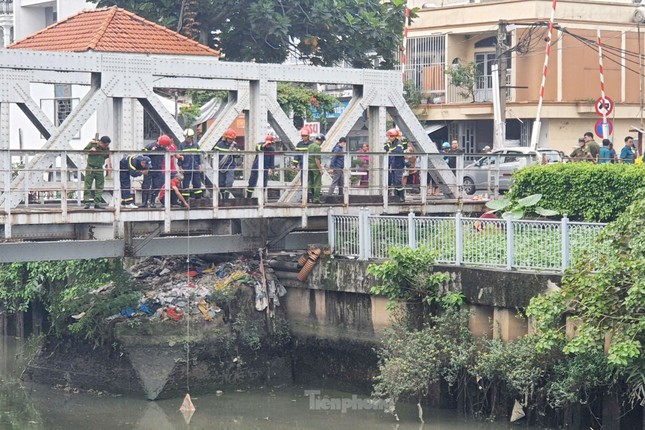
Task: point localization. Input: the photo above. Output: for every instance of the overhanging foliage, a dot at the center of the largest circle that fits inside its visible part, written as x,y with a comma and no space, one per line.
364,33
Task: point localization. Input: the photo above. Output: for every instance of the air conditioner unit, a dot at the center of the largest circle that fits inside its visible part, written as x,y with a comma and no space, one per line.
639,14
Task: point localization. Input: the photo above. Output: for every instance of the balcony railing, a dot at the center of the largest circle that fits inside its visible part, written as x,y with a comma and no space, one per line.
483,90
6,7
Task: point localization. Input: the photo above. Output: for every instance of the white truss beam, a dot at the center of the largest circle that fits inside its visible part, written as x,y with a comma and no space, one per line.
124,78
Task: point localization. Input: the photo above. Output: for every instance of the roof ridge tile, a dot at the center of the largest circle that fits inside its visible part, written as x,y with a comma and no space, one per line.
99,34
112,29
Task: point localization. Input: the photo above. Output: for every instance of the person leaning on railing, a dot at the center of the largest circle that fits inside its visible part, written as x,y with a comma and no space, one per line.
98,156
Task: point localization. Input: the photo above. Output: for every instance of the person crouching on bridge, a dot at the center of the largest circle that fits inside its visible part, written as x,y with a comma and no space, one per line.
98,153
153,181
191,163
131,166
395,149
175,192
226,176
269,164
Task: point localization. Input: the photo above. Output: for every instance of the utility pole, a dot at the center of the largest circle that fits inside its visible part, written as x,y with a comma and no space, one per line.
500,54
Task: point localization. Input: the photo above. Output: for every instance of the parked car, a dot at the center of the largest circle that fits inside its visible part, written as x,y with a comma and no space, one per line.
483,173
552,156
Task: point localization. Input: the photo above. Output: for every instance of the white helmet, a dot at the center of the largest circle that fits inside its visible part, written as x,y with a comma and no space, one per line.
189,132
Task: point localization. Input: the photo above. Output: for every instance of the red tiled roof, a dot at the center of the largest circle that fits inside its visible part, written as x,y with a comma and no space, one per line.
111,30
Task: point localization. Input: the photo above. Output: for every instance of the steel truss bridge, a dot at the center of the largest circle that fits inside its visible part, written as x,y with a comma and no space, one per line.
57,227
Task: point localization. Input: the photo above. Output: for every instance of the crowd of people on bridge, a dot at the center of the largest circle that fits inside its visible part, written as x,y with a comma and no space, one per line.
186,166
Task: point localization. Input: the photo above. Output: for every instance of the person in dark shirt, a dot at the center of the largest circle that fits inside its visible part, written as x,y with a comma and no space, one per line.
131,166
305,135
338,166
269,164
396,162
153,181
191,164
226,176
454,153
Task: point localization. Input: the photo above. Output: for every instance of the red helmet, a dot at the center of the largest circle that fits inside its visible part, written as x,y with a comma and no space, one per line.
230,134
393,132
164,141
304,131
269,138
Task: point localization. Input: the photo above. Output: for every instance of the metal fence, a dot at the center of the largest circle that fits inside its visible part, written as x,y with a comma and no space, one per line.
504,243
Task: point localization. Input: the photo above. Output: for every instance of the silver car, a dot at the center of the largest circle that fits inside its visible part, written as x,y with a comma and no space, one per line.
495,170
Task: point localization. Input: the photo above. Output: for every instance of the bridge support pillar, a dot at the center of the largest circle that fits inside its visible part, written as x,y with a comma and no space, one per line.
507,326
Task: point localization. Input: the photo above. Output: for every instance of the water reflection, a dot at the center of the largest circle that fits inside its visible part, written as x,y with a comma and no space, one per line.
29,406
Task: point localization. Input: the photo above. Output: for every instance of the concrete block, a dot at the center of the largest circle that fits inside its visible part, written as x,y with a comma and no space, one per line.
480,322
296,303
381,317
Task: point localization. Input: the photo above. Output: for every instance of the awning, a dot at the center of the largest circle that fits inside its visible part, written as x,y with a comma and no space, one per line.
434,127
207,111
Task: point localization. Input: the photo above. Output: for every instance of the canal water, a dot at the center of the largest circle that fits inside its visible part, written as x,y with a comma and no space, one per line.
36,407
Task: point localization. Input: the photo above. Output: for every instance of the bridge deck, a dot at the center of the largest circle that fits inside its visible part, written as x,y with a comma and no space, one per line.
43,232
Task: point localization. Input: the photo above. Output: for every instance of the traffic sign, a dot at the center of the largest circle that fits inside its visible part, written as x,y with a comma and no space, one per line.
314,127
599,132
604,106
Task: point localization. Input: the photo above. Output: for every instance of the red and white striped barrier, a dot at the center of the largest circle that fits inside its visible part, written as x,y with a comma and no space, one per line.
535,133
605,124
404,54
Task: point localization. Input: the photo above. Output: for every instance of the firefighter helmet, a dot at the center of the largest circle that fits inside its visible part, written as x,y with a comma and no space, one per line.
164,140
393,132
189,132
230,134
304,131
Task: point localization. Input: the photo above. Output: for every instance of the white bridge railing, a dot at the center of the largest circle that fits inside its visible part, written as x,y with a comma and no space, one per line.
540,245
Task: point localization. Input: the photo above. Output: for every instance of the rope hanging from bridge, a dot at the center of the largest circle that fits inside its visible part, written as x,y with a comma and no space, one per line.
187,408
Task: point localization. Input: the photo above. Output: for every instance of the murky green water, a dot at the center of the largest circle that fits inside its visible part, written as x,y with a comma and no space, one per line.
29,406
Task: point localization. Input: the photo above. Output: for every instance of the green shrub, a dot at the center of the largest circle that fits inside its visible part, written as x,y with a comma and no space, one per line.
583,191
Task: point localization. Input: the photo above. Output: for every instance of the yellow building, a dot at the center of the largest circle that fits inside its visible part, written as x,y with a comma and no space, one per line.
447,33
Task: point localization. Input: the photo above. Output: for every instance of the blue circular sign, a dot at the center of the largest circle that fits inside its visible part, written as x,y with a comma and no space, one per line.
598,129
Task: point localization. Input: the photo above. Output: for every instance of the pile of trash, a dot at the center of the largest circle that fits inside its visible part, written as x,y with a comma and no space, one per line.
176,287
